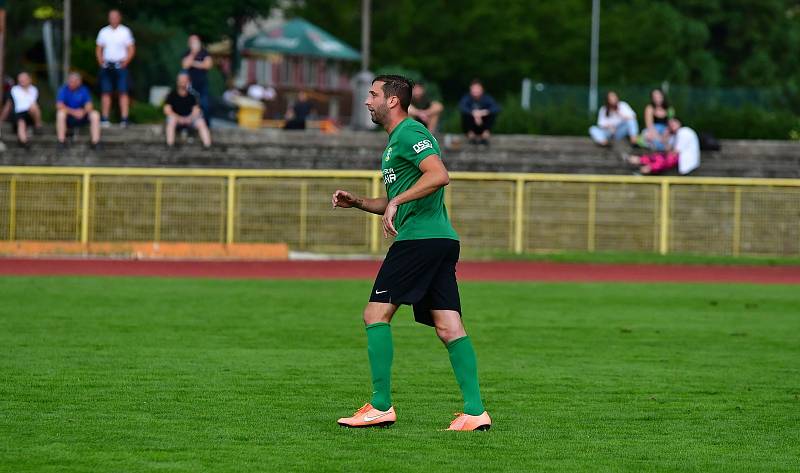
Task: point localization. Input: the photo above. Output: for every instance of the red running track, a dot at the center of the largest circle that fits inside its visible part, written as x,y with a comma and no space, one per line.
467,270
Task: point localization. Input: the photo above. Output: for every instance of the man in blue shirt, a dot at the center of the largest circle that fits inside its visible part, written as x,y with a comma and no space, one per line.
75,109
478,112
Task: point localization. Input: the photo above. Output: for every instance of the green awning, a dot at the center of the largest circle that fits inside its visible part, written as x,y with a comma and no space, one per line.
299,37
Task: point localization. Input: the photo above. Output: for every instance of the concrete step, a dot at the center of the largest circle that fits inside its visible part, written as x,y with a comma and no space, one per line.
143,145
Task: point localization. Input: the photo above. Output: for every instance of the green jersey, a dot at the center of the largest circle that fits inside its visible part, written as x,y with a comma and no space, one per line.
409,143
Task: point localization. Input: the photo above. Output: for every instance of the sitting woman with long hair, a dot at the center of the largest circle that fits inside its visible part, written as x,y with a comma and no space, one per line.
656,115
615,120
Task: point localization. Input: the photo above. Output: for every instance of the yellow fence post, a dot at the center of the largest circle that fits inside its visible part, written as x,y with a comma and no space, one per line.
12,209
375,238
231,208
85,208
519,218
157,211
590,232
303,213
663,245
737,221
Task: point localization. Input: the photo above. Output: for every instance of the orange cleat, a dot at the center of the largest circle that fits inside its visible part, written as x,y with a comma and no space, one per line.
368,416
468,422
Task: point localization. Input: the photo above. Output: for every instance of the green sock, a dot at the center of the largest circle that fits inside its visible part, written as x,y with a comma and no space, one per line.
380,349
465,366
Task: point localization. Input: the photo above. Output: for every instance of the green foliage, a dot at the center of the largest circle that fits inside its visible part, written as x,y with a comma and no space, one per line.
143,112
191,375
698,43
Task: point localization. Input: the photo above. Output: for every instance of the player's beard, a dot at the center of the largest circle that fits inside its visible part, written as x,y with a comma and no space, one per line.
379,114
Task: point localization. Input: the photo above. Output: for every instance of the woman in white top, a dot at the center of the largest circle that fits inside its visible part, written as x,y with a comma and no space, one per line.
26,110
615,120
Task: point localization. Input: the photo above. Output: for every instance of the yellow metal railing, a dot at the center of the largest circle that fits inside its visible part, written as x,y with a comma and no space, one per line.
491,211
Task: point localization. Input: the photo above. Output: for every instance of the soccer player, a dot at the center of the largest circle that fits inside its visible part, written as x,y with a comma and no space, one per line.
420,267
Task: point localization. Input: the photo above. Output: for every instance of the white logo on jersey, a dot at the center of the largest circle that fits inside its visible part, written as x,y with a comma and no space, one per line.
388,153
424,144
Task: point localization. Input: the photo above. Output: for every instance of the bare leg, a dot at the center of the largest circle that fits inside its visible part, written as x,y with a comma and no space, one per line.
22,131
171,124
94,126
36,114
124,105
105,105
376,312
448,325
6,111
202,130
61,126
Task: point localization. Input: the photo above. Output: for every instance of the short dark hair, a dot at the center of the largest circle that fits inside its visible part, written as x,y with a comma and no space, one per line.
476,81
398,86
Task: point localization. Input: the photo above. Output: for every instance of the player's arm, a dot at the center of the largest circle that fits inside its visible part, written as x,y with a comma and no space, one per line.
347,200
434,177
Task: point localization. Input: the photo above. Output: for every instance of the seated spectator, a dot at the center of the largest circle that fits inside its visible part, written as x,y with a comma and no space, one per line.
683,152
423,109
74,109
478,113
615,120
298,113
656,115
182,109
26,110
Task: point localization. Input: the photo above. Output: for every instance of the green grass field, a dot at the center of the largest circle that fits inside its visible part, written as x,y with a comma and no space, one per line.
127,374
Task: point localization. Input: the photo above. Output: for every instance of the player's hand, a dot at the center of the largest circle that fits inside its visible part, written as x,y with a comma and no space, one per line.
343,199
388,220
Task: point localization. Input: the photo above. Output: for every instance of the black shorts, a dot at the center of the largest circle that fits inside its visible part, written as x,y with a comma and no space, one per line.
421,273
24,116
73,122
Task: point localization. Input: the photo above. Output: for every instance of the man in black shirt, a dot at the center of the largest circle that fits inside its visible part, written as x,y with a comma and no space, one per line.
183,111
423,109
197,62
298,113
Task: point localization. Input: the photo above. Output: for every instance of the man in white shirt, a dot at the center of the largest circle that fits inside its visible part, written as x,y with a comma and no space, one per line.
683,152
26,110
685,142
115,50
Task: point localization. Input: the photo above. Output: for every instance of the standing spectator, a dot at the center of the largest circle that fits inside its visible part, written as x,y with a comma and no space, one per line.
615,120
478,112
26,110
74,109
683,152
115,51
197,62
298,113
423,109
656,115
183,111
